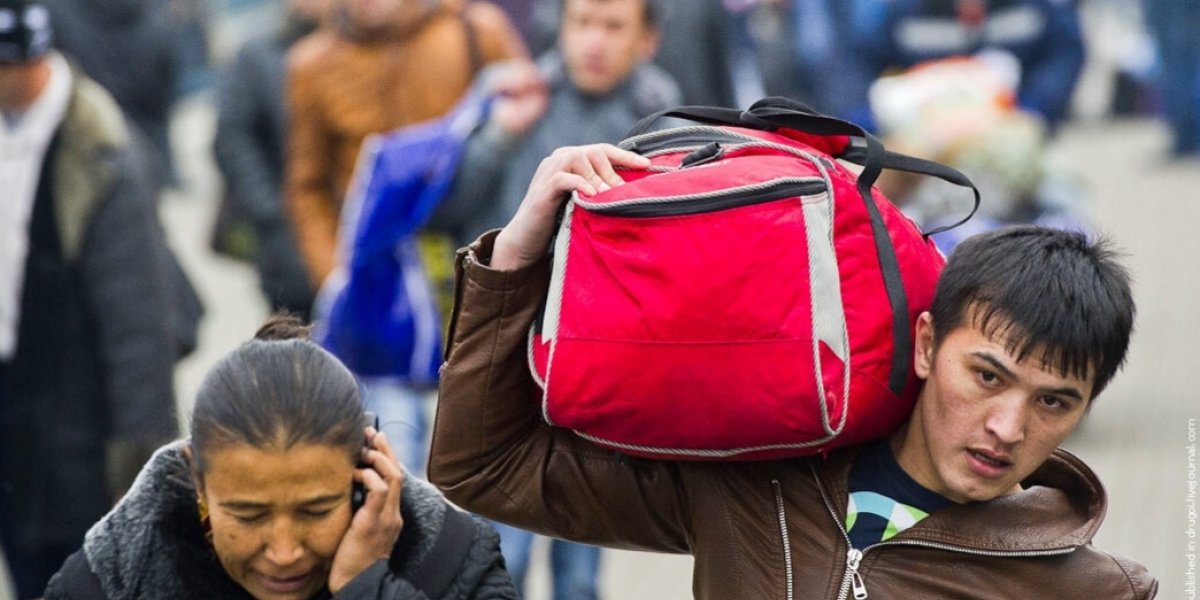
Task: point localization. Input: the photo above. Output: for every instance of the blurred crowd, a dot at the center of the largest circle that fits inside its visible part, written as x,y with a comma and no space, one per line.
95,310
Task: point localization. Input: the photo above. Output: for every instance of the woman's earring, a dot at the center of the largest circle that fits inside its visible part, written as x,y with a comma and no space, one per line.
205,521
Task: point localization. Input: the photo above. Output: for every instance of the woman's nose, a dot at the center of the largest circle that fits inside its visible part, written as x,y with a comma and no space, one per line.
284,545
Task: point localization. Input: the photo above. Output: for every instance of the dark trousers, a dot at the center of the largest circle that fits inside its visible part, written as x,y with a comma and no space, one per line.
31,566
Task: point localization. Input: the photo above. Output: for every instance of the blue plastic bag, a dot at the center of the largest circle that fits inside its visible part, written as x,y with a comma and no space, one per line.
377,311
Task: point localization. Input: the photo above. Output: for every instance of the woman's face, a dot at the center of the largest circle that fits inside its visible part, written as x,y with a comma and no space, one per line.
278,516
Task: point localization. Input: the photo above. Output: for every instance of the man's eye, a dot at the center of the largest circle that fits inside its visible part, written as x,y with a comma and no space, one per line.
249,519
317,514
987,377
1053,402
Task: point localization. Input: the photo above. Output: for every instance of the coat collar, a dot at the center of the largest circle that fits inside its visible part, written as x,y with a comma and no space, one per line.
85,166
1060,508
151,544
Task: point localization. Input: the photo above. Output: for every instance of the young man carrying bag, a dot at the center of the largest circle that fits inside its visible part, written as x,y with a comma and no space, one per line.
971,497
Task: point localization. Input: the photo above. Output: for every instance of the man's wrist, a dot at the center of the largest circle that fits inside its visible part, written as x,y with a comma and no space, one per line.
503,257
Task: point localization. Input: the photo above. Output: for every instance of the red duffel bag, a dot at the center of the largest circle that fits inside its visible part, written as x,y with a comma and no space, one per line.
747,297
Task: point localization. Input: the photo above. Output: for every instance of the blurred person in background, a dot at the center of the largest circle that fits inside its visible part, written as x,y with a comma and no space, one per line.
765,63
594,87
249,150
696,45
131,48
191,20
1043,35
1175,25
695,49
86,341
380,65
962,112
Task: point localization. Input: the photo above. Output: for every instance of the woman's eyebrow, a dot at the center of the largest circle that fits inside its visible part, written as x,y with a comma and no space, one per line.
323,499
252,505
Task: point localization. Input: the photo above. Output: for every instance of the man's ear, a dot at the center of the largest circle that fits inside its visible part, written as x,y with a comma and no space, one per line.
193,471
923,348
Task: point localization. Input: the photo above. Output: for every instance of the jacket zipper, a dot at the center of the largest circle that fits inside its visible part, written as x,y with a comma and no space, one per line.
776,189
785,538
853,581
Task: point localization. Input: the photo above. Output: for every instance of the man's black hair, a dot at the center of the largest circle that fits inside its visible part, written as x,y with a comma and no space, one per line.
1044,290
650,11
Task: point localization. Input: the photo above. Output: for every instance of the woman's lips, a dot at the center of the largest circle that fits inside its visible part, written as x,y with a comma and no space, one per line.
284,585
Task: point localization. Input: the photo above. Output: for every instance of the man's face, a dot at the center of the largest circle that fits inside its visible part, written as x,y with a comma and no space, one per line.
311,10
20,83
984,420
372,15
603,40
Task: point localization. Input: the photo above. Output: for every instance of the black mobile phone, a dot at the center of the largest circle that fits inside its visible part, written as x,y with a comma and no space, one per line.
358,493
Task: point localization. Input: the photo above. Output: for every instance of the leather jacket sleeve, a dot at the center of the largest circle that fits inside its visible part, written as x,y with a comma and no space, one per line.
492,453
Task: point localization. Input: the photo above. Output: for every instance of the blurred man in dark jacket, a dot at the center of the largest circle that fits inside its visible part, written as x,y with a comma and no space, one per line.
86,344
129,47
249,148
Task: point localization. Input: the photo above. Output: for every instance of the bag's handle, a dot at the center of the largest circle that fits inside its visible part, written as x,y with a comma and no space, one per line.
911,164
865,149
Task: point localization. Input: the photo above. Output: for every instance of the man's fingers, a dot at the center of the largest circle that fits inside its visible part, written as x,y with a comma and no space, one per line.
625,158
581,164
605,157
569,182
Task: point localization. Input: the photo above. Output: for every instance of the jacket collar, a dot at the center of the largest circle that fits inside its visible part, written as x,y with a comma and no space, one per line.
1060,508
85,166
152,545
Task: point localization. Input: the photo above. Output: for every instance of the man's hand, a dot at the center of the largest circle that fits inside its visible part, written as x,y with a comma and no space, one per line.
521,97
588,169
376,526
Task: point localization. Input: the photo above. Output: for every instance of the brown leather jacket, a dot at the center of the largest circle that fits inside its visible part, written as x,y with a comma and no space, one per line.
757,530
344,85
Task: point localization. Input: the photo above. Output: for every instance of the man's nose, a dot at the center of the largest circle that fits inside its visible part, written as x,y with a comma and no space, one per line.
1006,418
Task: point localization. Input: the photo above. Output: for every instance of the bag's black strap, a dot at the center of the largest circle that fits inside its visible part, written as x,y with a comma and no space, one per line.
773,113
911,164
444,561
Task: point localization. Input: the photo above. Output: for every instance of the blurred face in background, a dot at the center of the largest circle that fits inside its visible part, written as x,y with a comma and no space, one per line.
603,40
374,15
22,83
311,10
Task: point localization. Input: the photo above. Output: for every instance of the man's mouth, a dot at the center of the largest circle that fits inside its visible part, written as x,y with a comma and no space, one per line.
990,463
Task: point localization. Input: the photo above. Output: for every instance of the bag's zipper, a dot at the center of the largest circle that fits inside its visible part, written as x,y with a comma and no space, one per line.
853,581
784,538
674,139
689,204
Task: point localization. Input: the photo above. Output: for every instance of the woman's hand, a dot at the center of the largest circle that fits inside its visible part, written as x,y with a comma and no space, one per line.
375,527
589,169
